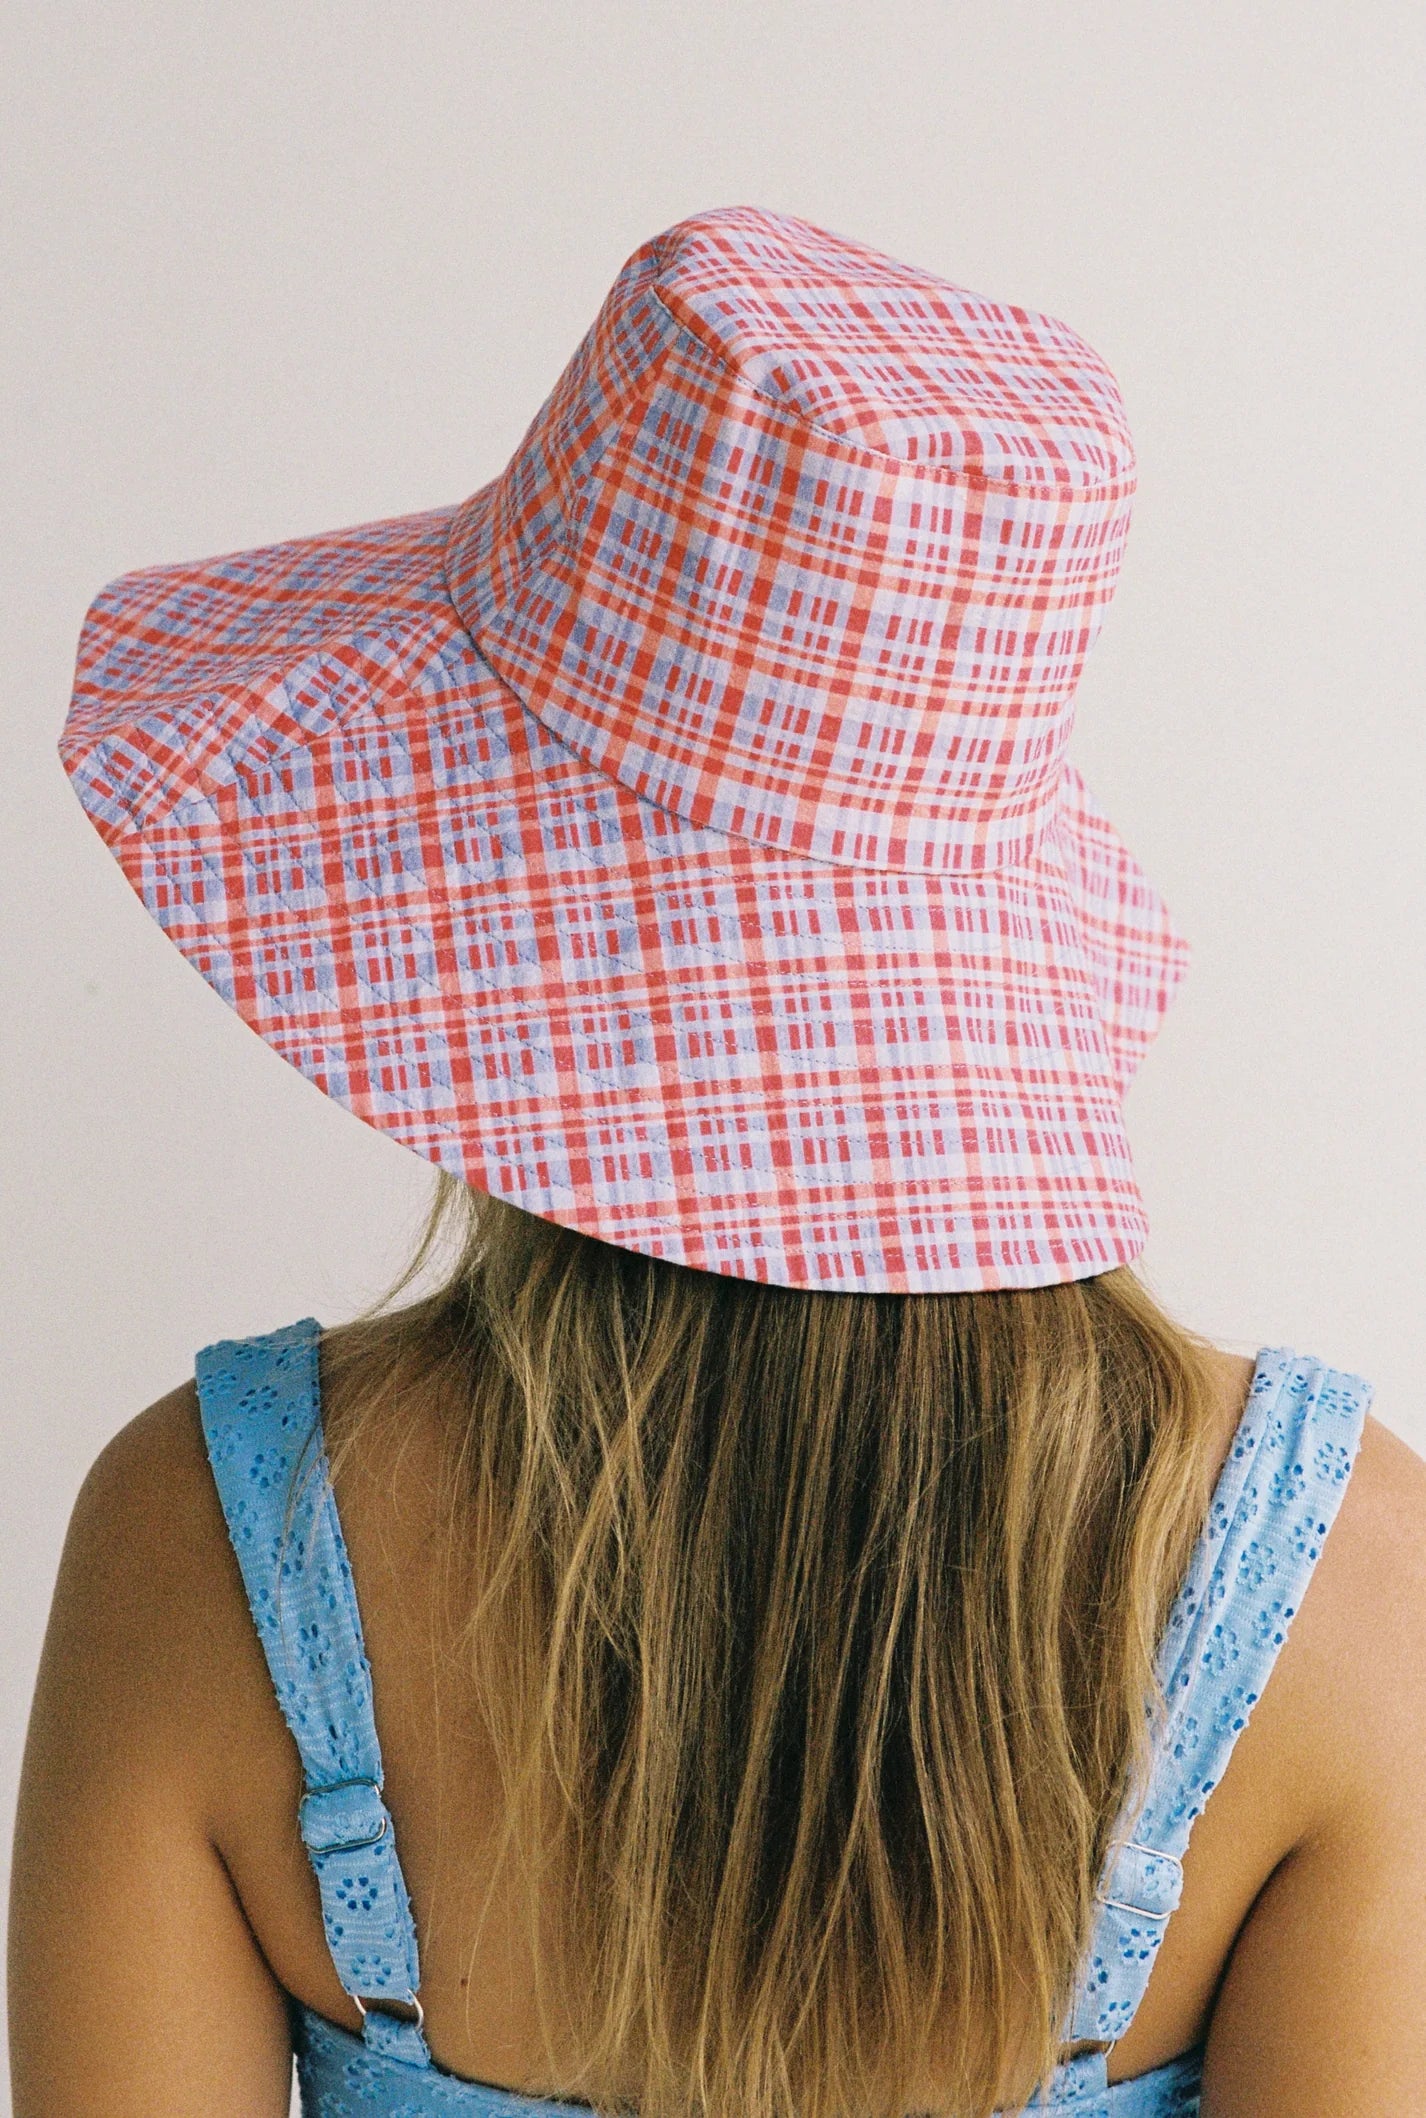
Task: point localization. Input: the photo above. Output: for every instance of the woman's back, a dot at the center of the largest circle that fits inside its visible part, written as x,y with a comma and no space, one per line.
1293,1873
677,844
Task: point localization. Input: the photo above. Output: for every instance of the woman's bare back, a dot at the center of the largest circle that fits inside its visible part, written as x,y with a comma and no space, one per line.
1299,1945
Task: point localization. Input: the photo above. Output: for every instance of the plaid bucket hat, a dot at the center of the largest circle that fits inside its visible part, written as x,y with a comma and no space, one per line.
677,838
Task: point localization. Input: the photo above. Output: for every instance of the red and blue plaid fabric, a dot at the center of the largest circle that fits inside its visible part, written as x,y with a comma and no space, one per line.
678,838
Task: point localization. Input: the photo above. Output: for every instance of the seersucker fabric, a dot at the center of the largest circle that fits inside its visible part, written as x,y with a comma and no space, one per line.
679,837
1272,1508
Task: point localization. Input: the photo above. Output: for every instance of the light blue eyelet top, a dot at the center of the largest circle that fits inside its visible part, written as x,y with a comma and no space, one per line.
1273,1505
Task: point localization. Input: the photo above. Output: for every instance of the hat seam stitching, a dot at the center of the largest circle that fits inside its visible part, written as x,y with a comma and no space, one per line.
924,872
980,480
142,814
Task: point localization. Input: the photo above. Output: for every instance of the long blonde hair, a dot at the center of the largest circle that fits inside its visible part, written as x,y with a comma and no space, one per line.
813,1634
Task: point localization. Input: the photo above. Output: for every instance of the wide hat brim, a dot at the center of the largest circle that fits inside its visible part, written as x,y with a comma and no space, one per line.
669,1037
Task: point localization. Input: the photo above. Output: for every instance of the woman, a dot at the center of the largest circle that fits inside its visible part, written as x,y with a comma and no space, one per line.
789,1625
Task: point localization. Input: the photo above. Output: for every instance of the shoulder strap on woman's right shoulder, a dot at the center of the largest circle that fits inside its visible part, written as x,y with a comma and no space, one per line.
1275,1501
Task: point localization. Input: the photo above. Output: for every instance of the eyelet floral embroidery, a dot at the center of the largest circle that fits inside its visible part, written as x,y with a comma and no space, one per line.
1273,1507
1275,1501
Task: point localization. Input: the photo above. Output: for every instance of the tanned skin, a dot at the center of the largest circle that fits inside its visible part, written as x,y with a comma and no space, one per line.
163,1906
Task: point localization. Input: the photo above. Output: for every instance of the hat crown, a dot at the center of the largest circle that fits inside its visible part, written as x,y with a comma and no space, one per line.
803,545
892,359
809,546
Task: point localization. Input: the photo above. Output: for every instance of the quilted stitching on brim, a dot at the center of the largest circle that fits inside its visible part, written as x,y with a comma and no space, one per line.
693,1041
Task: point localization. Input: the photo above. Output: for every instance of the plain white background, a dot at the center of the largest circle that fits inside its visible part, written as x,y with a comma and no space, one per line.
274,268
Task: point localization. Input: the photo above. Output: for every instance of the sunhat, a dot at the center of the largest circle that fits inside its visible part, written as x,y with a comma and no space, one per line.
677,838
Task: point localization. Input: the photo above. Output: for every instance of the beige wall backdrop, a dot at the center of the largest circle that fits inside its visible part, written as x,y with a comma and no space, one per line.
271,268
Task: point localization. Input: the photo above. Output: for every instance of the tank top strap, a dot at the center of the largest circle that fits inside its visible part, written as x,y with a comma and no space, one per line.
260,1400
1275,1500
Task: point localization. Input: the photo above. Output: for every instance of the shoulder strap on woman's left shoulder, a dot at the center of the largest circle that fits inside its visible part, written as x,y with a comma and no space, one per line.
260,1400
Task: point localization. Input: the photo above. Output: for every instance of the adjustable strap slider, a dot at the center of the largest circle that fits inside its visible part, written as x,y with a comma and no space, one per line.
348,1833
1141,1880
343,1818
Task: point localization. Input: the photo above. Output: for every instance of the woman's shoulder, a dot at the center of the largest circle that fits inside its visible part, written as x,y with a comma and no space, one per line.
1319,2003
148,1554
148,1584
1345,1705
147,1543
154,1473
1383,1514
148,1512
1388,1490
1358,1644
149,1498
1371,1573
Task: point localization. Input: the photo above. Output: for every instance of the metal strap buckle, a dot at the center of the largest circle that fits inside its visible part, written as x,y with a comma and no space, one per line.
1156,1853
353,1845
